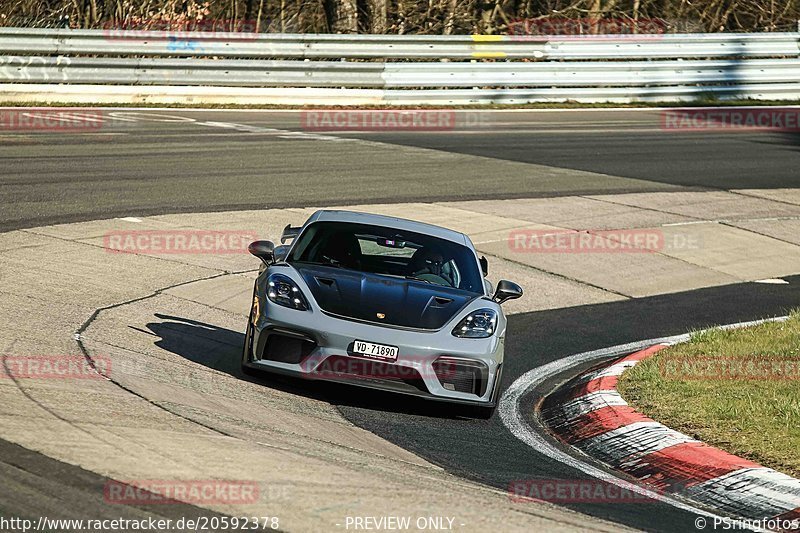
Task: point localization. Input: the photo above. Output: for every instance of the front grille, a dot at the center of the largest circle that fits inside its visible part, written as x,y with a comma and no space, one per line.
364,370
286,348
461,375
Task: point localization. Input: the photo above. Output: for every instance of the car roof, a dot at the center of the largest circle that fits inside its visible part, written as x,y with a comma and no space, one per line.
355,217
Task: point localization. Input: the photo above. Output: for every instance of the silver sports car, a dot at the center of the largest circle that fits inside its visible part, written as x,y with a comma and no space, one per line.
380,302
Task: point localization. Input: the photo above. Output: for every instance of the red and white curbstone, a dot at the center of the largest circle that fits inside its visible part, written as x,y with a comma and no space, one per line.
591,416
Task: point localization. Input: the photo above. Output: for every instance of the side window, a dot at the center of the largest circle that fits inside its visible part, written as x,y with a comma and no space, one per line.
300,249
454,276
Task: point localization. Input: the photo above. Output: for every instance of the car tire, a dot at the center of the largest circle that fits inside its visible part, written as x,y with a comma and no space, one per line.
252,372
247,350
480,412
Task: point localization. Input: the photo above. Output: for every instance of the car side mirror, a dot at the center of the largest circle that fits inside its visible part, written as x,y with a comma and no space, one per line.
507,290
264,250
484,266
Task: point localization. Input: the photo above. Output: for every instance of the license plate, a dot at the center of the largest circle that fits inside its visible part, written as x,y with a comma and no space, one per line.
376,351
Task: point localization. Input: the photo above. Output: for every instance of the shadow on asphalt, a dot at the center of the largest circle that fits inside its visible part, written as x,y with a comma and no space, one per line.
484,450
221,349
35,485
693,159
789,139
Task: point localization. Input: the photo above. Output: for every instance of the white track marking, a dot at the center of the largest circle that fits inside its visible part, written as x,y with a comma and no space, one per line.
64,117
591,402
763,488
609,371
149,117
628,444
286,134
511,413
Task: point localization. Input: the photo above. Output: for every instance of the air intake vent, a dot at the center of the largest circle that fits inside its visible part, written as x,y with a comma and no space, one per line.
462,375
286,348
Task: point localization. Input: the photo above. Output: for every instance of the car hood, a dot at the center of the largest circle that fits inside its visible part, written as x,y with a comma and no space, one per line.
383,299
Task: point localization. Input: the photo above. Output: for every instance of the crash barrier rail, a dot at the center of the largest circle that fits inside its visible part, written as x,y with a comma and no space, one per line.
468,69
21,41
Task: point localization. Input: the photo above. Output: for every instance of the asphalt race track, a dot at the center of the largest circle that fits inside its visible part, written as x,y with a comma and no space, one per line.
487,452
189,161
172,161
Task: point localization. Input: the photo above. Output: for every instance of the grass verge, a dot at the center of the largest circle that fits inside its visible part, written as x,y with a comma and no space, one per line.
738,390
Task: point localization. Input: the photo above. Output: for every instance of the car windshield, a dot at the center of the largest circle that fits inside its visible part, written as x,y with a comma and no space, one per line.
389,252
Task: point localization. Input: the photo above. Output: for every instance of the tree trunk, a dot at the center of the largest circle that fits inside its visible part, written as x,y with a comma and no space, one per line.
401,17
450,20
377,13
595,13
248,10
342,15
258,17
485,16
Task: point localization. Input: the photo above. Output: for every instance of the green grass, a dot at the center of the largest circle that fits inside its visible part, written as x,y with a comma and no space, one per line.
751,413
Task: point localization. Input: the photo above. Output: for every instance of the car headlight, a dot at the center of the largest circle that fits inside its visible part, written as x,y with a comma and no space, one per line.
283,291
477,325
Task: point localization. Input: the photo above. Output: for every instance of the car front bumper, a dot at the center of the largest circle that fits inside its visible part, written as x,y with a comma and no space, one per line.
431,364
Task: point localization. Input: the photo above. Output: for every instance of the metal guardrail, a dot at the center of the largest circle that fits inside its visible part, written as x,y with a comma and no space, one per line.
519,68
250,73
20,41
590,74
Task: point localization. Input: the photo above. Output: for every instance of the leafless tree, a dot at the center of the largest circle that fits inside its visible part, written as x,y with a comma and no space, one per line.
342,15
402,16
